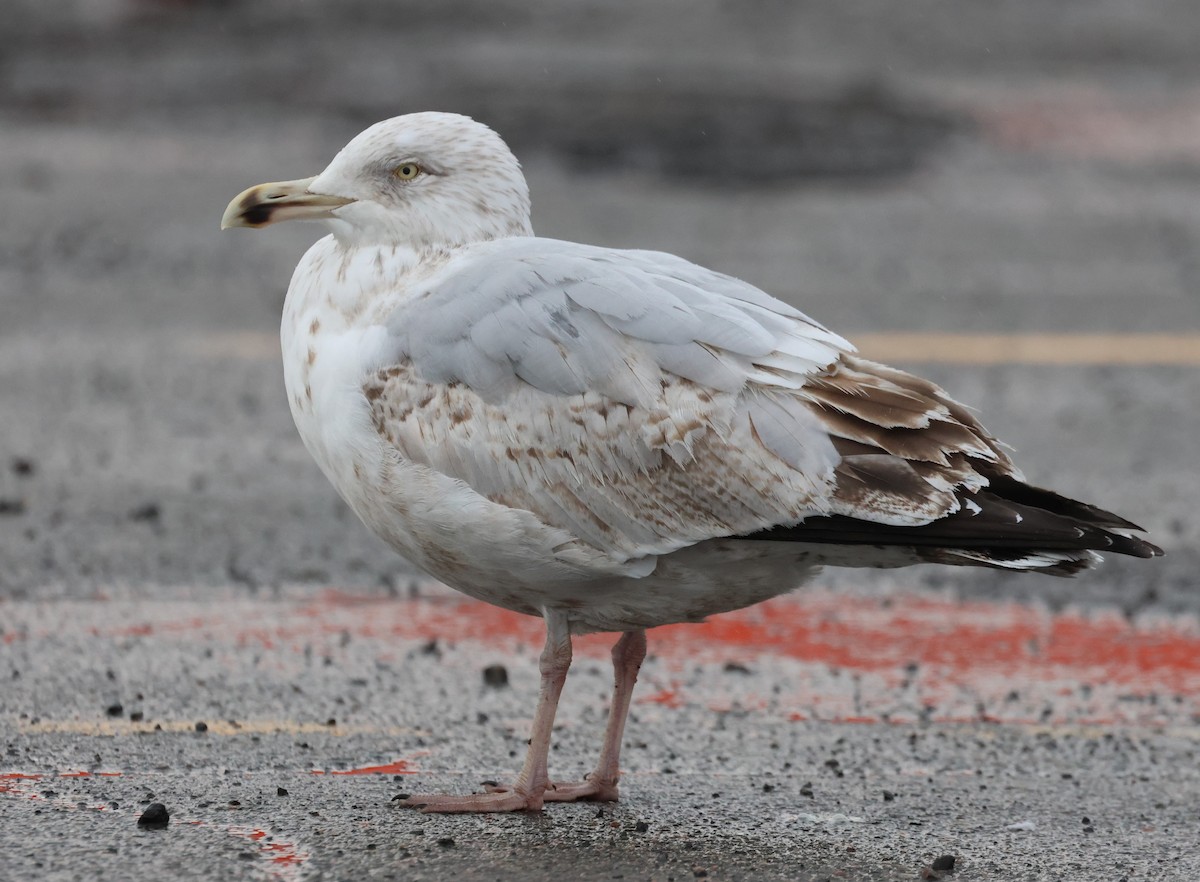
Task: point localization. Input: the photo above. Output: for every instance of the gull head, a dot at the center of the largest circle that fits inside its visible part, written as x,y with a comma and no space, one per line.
423,180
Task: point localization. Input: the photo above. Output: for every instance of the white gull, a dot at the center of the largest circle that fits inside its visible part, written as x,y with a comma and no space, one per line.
611,440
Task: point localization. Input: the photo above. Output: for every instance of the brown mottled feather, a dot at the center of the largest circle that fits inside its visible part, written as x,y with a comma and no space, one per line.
894,460
873,404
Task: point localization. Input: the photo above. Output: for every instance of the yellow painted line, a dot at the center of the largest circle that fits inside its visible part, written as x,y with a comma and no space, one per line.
940,348
248,345
1047,349
102,728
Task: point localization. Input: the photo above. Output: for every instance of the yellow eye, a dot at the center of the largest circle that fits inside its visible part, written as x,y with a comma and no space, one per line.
406,171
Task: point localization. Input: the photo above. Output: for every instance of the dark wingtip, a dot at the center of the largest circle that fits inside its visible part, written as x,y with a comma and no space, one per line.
1132,546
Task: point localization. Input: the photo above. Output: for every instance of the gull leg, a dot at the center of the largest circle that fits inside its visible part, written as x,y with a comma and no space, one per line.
601,785
528,791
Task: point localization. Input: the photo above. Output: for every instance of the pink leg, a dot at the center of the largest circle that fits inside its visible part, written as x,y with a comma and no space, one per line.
601,785
527,792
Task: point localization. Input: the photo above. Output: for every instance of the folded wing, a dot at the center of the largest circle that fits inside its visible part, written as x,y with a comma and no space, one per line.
643,404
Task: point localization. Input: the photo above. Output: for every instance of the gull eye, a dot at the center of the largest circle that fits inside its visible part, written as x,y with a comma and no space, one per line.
406,171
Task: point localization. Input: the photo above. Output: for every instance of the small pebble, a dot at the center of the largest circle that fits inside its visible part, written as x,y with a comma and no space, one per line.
147,512
155,817
495,676
446,841
12,506
114,710
641,827
888,796
22,467
202,726
944,863
281,791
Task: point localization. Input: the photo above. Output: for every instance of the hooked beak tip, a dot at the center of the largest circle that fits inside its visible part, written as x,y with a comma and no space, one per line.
266,204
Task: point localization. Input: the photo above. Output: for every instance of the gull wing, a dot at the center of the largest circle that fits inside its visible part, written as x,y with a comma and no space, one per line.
642,403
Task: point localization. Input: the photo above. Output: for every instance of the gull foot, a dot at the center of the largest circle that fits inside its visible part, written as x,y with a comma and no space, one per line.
495,800
588,790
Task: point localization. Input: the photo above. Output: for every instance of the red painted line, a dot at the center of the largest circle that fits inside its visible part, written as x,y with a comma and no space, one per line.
855,633
962,660
839,658
1086,122
399,767
284,858
665,697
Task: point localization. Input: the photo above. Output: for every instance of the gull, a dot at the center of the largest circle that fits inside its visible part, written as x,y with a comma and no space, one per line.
610,439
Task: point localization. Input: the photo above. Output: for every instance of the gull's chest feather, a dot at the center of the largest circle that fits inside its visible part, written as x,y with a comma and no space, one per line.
331,340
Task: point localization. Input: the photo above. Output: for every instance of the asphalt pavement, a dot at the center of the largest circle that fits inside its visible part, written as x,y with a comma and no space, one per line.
913,175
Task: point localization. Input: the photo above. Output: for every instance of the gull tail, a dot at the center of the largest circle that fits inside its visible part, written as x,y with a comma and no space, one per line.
1007,525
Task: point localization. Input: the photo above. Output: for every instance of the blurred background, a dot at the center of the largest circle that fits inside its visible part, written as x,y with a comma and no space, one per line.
1002,196
943,166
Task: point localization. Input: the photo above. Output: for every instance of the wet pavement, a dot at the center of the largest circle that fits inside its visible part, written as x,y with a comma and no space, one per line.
172,557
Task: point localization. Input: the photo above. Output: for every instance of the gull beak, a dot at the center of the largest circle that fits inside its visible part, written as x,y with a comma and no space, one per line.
268,204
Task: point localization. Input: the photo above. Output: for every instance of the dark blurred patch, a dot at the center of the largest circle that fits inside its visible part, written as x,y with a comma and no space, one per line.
858,131
12,507
22,466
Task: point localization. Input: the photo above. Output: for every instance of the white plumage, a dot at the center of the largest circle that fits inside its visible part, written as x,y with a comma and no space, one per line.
610,439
